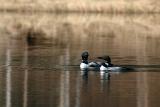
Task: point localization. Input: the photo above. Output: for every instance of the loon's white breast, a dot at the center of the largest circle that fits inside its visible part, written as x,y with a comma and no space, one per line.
83,66
103,68
89,66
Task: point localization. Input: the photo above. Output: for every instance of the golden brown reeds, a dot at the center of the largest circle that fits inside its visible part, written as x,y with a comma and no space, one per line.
82,6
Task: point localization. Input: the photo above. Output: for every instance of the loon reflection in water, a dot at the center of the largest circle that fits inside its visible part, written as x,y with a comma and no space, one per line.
105,75
84,74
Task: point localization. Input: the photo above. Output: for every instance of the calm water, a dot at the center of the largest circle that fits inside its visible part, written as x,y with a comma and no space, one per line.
46,73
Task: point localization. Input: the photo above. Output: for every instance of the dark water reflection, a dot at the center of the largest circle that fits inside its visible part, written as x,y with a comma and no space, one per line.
47,74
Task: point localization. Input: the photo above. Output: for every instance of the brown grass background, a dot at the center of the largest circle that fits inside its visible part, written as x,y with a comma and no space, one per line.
82,6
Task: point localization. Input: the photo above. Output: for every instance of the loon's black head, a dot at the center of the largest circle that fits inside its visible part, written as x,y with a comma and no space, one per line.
85,55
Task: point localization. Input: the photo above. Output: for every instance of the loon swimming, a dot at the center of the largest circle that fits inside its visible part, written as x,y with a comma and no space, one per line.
104,65
85,65
108,66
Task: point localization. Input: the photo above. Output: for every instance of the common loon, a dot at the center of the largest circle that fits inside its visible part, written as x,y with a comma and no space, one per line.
85,65
103,66
108,66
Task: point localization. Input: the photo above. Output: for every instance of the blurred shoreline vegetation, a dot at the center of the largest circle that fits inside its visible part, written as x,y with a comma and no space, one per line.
107,17
50,26
82,6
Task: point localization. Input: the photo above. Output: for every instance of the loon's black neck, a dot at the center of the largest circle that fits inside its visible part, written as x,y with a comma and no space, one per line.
104,64
110,64
85,61
107,64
